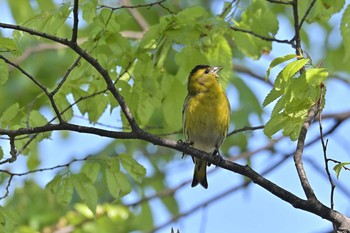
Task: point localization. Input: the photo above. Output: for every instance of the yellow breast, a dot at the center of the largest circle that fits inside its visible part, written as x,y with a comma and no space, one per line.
206,118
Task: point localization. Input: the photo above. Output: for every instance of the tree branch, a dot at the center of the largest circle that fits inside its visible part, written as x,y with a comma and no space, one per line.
13,174
296,39
104,73
70,69
133,6
285,2
299,153
76,22
260,36
246,128
44,89
307,13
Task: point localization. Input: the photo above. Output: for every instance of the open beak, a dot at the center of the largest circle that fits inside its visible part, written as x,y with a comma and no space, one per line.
216,69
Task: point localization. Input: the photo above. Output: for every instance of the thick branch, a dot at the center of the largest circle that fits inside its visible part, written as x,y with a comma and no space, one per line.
296,39
76,21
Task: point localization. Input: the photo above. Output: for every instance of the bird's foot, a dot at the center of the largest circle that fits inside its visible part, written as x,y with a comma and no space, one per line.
184,143
217,157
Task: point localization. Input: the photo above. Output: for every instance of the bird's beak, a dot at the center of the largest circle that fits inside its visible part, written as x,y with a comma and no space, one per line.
216,69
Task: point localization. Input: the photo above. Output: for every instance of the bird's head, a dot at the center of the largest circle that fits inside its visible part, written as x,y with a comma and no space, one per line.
202,78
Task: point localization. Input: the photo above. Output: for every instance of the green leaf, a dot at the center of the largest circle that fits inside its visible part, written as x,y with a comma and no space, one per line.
297,95
273,95
345,31
33,161
135,170
4,72
247,98
145,221
7,44
50,21
96,107
117,182
171,104
291,69
7,223
171,204
246,44
337,168
191,14
9,114
65,192
86,190
254,19
91,169
146,95
37,119
62,188
63,106
21,10
88,8
278,61
275,124
321,11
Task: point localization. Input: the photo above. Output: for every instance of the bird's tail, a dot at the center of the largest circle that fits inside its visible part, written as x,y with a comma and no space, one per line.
200,173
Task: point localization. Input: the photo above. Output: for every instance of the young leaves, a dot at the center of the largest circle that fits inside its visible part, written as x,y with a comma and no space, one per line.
4,72
295,96
117,182
337,168
62,186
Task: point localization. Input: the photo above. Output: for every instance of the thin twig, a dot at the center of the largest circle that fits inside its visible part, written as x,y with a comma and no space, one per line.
132,6
324,149
227,8
261,36
307,13
25,73
299,153
338,162
246,128
70,69
13,174
7,188
320,170
37,83
285,2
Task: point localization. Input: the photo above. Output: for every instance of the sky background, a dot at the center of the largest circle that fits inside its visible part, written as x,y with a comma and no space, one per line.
248,210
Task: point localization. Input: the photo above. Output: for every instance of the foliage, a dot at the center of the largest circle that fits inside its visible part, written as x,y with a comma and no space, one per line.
136,56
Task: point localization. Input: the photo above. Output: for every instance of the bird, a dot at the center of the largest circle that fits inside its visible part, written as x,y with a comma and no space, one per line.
205,117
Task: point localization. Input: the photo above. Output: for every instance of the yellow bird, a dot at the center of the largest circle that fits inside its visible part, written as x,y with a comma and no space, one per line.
205,116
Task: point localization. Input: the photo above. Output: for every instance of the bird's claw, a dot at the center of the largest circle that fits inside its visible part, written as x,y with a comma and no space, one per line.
217,157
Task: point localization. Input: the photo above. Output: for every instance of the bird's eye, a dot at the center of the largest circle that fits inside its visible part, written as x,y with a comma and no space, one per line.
206,71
